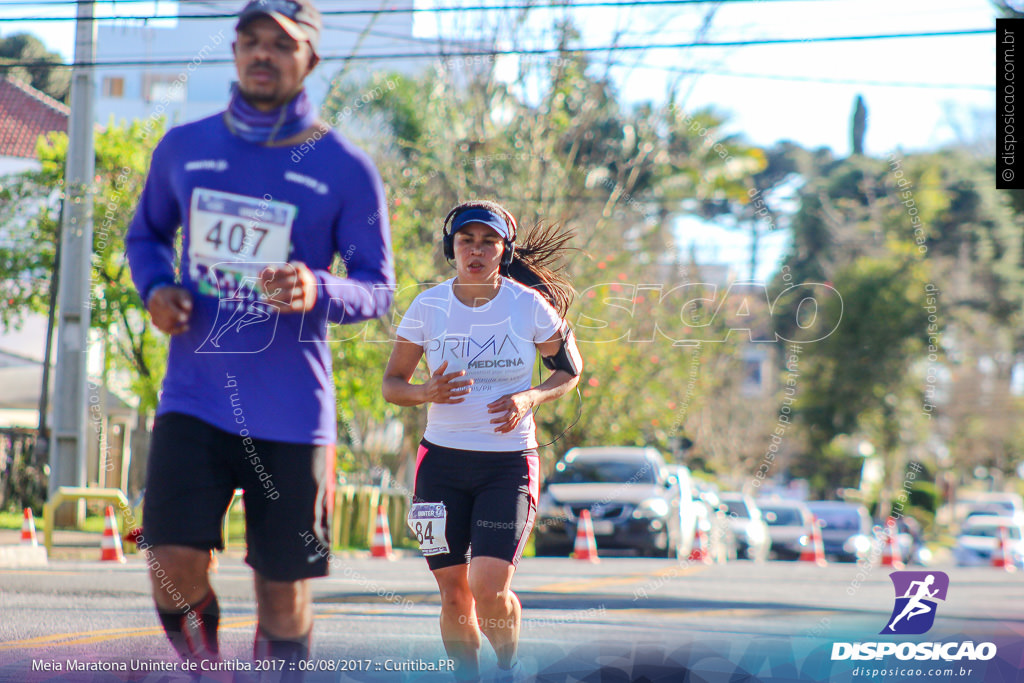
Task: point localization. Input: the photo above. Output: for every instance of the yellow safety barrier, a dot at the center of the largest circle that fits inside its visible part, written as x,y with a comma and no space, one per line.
236,497
355,514
69,493
355,510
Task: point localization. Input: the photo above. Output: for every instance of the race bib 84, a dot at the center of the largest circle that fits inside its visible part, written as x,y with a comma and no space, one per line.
427,522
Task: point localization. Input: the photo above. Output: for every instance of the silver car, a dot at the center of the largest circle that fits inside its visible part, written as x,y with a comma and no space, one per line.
791,525
980,538
753,540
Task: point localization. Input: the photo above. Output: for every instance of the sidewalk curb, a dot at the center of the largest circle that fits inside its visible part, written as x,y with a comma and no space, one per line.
16,556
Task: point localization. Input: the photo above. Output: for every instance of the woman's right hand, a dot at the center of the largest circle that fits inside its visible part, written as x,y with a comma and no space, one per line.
446,388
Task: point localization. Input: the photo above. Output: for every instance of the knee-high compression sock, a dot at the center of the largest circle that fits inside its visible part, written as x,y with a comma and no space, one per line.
291,650
194,633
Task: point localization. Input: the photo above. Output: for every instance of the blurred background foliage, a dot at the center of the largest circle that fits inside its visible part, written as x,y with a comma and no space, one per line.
666,350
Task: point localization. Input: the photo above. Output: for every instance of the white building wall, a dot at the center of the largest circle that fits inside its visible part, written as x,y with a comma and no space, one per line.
12,165
198,45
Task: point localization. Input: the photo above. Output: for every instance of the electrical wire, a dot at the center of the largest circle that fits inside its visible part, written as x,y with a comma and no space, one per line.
808,79
534,51
402,10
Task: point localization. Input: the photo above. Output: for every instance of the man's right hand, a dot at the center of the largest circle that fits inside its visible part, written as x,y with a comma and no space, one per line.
170,308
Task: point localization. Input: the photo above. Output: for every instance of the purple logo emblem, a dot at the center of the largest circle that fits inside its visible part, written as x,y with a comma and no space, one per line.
916,595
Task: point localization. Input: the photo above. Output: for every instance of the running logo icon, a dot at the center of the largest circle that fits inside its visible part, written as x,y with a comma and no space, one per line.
916,595
237,312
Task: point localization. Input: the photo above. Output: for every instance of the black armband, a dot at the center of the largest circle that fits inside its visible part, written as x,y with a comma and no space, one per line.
564,359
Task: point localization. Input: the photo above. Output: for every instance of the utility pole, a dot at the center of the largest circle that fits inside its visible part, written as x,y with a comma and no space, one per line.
41,455
71,398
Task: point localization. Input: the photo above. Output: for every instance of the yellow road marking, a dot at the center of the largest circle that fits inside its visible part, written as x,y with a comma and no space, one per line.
84,637
334,613
102,635
731,612
577,586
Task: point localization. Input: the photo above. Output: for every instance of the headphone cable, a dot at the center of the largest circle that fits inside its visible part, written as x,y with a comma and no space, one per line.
579,414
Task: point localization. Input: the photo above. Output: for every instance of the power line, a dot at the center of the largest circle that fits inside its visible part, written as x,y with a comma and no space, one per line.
396,10
806,79
534,51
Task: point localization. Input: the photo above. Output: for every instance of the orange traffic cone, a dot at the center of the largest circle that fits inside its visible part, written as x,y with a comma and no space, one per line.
815,550
585,547
890,547
28,530
111,543
700,547
381,546
1001,556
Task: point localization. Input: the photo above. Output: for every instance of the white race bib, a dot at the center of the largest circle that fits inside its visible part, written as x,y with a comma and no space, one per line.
427,522
233,237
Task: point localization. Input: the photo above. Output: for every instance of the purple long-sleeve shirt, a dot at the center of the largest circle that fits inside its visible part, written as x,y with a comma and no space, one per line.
242,366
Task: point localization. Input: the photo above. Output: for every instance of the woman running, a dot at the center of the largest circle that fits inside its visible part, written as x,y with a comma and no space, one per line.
477,465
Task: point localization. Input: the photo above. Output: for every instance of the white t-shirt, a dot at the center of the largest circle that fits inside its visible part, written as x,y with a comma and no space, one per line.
495,344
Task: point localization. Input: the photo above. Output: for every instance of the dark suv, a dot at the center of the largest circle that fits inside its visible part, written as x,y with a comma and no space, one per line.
632,498
845,529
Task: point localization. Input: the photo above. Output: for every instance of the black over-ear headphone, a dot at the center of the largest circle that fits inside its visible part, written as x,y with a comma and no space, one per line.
448,239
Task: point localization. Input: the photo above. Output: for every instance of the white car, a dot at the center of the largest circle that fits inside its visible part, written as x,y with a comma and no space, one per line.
690,507
1010,504
754,541
791,525
979,538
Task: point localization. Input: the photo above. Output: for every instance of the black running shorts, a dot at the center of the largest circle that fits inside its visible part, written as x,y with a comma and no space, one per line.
193,471
490,499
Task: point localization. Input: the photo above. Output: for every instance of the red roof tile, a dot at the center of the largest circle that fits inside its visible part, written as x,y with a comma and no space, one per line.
25,114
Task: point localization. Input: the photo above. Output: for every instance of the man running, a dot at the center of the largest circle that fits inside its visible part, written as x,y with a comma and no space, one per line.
249,403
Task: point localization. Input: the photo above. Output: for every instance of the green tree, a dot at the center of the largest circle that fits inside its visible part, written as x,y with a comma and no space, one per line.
858,126
29,219
49,75
569,153
850,233
888,234
856,379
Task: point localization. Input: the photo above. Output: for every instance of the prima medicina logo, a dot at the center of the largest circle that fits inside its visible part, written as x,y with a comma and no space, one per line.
917,594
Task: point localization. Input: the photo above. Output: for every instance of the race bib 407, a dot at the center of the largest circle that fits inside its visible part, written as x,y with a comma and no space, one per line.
233,237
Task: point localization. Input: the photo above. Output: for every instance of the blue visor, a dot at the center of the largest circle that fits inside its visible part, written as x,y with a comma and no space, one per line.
485,216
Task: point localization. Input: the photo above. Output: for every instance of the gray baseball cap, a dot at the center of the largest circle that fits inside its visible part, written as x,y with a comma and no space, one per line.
299,18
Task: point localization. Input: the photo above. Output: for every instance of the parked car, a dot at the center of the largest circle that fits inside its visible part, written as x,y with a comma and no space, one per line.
633,502
910,538
791,526
990,510
753,540
713,520
980,536
690,507
845,529
1008,504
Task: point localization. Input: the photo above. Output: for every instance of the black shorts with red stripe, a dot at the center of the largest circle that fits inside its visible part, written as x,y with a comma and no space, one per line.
490,499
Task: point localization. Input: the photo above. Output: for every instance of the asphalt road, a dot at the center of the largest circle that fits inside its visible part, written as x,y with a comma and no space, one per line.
622,619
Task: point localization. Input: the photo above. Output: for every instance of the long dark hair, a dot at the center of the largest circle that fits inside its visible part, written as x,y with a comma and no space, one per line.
536,262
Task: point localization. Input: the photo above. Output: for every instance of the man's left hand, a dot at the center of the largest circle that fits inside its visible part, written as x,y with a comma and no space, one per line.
290,288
